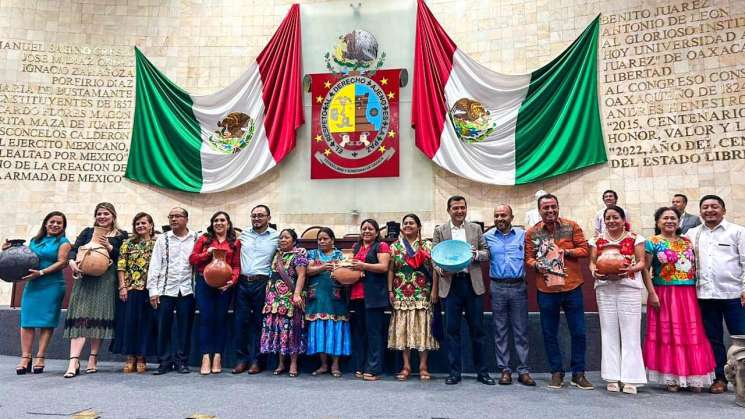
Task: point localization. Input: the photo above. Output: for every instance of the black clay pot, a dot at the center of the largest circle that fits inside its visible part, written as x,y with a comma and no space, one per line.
16,261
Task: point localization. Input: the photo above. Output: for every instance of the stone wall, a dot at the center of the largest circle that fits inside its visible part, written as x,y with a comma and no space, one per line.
672,96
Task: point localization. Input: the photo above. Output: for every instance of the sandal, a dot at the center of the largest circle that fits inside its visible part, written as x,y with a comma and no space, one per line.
141,365
370,377
129,366
292,374
21,368
404,374
320,371
70,374
278,371
424,375
93,369
39,366
359,374
673,388
336,373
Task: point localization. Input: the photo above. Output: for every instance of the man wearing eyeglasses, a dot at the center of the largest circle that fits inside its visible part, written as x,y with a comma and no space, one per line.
258,246
171,289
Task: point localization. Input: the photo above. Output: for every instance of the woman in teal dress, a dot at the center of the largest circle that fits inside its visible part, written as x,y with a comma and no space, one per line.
326,311
44,291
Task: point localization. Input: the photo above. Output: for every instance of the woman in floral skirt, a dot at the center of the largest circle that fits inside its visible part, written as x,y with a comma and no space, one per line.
282,331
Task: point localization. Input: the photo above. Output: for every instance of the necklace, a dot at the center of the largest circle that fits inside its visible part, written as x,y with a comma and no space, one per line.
616,239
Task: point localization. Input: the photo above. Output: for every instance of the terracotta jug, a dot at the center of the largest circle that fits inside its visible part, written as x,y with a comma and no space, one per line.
93,259
611,261
735,367
16,261
217,273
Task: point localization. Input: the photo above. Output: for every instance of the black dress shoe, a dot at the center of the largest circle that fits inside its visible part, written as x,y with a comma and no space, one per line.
452,379
183,368
162,369
486,379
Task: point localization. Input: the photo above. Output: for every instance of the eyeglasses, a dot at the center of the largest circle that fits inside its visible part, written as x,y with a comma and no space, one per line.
174,216
257,216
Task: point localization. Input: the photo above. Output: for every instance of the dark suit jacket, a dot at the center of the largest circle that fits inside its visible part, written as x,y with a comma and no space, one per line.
688,221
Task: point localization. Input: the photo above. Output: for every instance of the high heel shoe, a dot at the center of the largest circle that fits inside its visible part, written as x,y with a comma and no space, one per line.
70,374
216,364
93,369
206,365
21,368
39,368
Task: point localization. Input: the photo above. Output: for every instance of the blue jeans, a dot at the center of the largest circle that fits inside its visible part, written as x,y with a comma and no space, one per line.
249,303
509,306
550,305
173,345
713,312
213,307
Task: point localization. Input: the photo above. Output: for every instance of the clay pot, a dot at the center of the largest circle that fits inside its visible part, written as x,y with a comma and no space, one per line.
611,261
16,261
93,259
735,367
346,276
217,273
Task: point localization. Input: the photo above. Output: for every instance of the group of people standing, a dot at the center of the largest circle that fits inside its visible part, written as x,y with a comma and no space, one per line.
287,301
285,297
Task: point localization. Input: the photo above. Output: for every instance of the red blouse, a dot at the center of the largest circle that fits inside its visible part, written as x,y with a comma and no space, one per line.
200,258
358,289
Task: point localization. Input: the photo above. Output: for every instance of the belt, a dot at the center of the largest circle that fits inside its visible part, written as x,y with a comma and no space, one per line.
461,275
508,280
251,278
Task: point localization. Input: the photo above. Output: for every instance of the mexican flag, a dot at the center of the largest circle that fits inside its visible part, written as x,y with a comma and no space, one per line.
505,129
219,141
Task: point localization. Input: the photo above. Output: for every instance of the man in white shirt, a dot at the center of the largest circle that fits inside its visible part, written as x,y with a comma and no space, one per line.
720,264
170,286
610,198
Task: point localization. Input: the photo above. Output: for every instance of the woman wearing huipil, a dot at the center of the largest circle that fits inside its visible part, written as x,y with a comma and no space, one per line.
677,352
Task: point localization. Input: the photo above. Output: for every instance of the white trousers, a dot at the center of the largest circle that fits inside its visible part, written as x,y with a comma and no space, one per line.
620,311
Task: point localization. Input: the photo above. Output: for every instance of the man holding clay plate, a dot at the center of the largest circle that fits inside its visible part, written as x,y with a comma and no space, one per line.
462,290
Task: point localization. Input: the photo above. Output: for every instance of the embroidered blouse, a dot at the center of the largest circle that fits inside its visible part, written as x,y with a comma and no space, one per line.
411,287
673,262
278,292
134,260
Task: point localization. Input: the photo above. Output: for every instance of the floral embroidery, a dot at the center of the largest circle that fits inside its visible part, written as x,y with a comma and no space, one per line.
411,289
674,262
278,293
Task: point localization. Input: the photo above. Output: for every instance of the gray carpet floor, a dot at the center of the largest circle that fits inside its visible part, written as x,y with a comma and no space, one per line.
113,394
